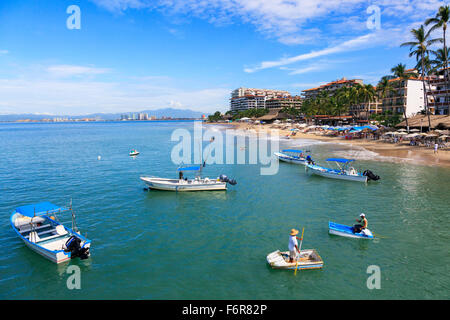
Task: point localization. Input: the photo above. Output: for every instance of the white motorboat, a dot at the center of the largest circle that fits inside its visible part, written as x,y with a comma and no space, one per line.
291,156
344,171
38,227
184,184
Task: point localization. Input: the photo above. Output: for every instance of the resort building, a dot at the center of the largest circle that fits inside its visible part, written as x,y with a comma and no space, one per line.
331,87
250,98
407,95
438,93
362,112
284,102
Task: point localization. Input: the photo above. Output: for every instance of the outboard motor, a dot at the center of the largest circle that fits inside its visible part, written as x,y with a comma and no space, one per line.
372,176
224,178
73,244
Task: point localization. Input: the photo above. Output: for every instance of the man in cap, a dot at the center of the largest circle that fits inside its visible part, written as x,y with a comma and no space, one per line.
293,245
362,223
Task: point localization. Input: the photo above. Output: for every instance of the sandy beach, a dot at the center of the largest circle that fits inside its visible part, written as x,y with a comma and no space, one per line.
387,151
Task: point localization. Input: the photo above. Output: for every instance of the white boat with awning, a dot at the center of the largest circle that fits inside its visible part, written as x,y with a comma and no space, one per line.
343,172
184,184
38,227
291,156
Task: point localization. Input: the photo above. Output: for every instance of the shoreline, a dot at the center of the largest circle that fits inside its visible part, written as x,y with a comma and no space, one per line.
396,152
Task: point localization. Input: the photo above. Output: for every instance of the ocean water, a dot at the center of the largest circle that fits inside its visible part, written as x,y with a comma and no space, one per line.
213,245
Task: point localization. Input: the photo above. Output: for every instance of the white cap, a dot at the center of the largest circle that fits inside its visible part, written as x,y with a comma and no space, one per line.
362,215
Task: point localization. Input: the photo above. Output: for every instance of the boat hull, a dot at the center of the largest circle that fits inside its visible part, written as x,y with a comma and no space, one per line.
309,259
287,158
346,231
335,175
184,186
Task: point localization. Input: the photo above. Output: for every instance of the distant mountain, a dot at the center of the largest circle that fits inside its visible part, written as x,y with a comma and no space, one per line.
158,113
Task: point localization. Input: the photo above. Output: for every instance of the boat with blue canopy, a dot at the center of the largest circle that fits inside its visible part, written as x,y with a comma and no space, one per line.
39,228
291,156
347,231
343,171
185,184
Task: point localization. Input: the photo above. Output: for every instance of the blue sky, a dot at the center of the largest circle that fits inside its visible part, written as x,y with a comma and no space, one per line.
131,55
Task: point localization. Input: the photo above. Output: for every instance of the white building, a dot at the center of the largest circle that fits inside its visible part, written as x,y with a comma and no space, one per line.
251,98
408,94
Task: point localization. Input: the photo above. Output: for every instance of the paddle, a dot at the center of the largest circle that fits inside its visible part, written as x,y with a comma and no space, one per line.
299,250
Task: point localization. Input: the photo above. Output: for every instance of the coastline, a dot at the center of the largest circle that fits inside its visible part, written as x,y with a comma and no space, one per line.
396,152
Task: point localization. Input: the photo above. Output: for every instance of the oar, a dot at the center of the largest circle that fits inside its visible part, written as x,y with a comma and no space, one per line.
379,236
299,251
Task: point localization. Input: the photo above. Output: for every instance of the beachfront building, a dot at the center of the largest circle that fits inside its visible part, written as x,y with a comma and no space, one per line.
361,112
407,95
284,102
143,116
438,93
331,87
251,98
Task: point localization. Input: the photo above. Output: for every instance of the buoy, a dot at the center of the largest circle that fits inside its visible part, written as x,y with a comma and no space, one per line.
99,158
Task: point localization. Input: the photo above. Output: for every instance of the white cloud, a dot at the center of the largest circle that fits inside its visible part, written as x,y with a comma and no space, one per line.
4,52
65,70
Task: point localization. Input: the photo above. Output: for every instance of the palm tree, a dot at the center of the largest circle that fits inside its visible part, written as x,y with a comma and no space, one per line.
439,59
384,88
420,48
440,21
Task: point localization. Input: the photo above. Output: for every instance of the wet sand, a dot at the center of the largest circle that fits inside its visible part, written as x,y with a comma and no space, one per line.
399,151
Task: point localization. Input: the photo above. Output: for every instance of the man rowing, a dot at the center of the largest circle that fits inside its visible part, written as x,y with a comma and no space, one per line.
293,245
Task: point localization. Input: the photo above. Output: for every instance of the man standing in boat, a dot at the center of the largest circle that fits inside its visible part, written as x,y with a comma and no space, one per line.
293,245
362,224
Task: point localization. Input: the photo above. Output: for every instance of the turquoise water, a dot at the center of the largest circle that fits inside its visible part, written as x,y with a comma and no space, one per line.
213,245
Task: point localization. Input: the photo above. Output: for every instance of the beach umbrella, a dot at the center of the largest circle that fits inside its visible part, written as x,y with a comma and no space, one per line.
444,137
400,133
432,135
414,130
401,130
389,133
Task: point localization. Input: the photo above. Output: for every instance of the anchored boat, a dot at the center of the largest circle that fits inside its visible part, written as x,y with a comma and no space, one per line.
38,227
344,171
347,231
184,184
291,156
307,259
134,153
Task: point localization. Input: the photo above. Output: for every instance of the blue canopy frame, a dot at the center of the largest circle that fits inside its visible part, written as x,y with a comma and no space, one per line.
341,160
189,168
41,208
292,150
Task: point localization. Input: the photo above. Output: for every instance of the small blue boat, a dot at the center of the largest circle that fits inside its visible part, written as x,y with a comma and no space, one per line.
346,231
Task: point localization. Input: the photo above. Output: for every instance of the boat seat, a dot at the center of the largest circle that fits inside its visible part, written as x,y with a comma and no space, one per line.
40,233
50,237
23,230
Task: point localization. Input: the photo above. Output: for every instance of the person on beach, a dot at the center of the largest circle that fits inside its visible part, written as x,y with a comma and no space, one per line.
436,146
293,245
362,223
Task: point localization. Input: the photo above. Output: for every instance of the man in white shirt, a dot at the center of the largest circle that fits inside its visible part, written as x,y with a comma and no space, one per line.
293,246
